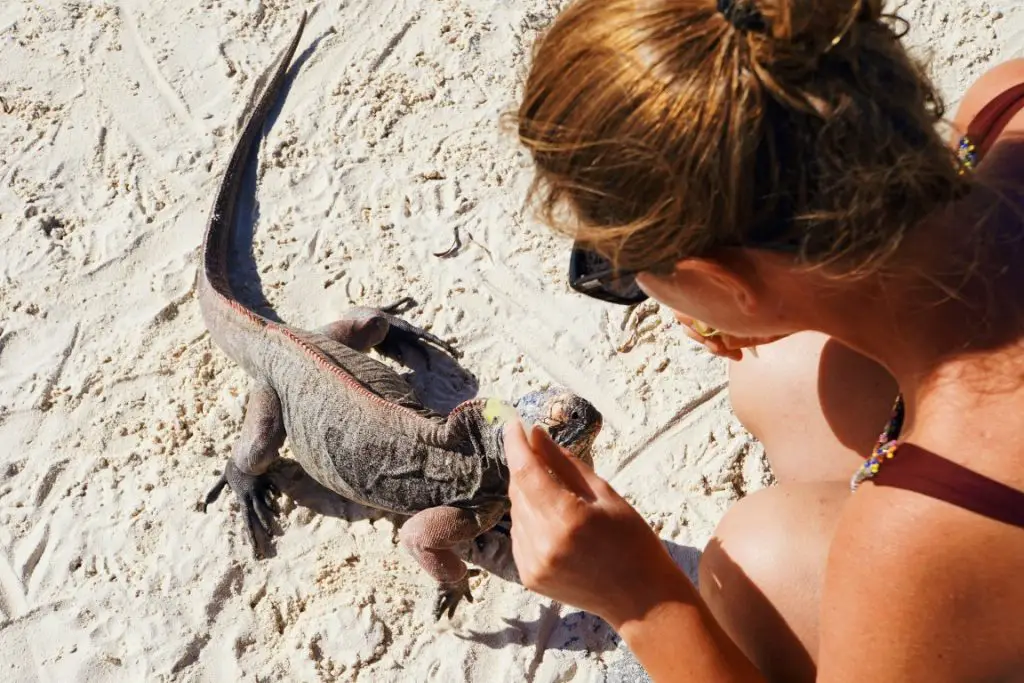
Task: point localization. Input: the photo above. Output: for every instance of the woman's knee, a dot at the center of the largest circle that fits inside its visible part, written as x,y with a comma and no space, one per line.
786,369
761,574
816,405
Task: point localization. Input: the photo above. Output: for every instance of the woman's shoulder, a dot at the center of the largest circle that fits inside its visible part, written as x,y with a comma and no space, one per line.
911,574
979,114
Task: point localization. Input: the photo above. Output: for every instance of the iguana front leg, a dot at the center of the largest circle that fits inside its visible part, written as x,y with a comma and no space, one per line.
364,328
257,447
431,534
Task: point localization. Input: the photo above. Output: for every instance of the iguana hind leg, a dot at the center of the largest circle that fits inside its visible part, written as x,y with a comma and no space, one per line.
430,536
257,447
364,328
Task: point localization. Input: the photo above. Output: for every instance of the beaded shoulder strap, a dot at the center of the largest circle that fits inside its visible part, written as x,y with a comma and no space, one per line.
888,442
926,473
988,123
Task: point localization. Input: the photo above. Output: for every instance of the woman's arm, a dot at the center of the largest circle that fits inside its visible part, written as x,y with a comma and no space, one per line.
576,540
679,640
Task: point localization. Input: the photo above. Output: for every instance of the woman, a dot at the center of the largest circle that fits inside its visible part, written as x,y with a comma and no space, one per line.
773,169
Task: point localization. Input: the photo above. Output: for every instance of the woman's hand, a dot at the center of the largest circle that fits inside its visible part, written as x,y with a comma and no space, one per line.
577,541
723,344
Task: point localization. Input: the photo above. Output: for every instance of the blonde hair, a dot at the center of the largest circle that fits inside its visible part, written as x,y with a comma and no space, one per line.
667,130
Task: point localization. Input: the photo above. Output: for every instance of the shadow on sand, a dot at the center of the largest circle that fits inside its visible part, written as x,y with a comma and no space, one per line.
573,631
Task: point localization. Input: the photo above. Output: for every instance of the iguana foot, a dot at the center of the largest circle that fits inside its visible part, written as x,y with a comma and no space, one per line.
449,595
364,328
400,306
256,494
404,335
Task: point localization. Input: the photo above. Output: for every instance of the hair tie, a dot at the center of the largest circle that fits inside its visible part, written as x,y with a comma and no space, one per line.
742,14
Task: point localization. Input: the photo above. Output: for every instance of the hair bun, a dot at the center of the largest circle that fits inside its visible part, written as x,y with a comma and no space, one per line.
812,27
742,14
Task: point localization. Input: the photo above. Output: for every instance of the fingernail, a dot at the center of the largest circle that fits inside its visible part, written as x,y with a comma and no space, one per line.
538,434
537,428
512,455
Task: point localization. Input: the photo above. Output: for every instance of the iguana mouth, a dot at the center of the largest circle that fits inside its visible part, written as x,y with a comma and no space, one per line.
576,441
574,428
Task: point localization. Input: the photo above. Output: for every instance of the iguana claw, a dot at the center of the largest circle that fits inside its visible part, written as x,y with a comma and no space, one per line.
256,494
449,595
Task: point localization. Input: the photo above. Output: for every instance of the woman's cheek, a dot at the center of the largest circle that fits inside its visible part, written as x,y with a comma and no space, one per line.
667,292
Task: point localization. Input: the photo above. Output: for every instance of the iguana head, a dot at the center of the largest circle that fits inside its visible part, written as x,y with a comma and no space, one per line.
572,420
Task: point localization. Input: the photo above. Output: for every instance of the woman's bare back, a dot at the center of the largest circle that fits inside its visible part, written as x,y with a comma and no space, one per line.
936,577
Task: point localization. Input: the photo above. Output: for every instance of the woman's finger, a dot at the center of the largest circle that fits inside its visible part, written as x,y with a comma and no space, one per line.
682,318
563,465
692,334
689,326
690,330
519,532
713,344
716,345
728,352
531,482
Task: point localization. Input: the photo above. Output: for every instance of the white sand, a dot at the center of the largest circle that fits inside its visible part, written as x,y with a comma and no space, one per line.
116,411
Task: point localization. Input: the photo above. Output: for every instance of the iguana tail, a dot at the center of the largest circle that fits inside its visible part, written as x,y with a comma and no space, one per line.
215,296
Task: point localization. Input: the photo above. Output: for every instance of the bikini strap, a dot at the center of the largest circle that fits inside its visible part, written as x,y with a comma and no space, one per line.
990,121
919,470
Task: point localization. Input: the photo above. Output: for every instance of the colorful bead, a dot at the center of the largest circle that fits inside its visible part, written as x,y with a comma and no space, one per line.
888,442
967,153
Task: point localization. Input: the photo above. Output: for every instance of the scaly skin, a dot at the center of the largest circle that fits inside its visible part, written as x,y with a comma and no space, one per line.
354,424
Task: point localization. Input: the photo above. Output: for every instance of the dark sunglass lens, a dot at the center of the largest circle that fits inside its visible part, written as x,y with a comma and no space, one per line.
584,265
625,288
593,275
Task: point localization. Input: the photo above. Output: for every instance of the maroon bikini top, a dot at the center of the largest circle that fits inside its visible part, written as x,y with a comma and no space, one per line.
924,472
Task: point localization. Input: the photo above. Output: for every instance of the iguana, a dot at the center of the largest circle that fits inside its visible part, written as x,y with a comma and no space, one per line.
354,424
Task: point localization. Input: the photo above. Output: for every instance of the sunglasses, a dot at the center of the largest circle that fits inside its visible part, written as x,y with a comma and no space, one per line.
595,276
